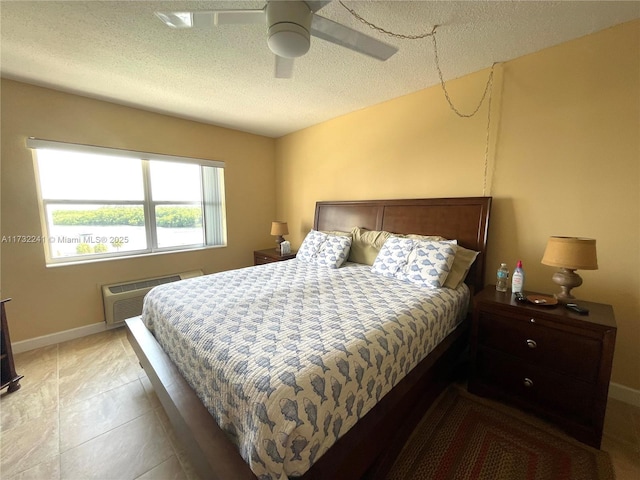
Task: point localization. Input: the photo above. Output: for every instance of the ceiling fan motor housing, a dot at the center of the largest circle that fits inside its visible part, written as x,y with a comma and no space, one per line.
288,25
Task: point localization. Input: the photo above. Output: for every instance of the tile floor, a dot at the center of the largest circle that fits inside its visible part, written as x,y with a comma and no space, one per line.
86,410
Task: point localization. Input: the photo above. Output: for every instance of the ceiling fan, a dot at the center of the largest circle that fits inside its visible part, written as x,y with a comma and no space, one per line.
289,26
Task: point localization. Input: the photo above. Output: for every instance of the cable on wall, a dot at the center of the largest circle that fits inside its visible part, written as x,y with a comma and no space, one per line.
487,88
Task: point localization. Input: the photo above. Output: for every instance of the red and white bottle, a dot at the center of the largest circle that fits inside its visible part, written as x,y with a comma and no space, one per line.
517,279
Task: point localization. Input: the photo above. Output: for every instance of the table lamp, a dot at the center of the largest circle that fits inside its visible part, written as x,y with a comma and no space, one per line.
278,229
570,254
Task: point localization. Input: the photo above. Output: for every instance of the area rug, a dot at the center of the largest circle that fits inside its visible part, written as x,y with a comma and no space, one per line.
464,437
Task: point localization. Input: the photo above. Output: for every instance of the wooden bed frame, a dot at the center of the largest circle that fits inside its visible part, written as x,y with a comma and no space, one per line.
368,449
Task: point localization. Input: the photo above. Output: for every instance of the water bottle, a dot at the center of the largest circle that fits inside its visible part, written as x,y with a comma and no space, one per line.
502,277
517,280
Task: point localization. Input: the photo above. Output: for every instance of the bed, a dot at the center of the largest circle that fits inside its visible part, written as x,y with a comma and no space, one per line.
330,399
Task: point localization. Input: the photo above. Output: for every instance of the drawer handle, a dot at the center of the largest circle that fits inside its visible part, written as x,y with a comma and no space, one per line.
528,382
531,343
533,320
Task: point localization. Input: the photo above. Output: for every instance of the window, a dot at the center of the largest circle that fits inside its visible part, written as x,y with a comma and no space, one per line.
99,202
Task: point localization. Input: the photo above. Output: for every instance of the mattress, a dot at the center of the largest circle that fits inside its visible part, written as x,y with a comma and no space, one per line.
288,356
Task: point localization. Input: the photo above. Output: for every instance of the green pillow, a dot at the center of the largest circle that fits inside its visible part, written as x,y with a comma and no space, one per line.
461,265
366,245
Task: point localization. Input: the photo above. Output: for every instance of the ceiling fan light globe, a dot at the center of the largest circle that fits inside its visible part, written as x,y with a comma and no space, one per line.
288,40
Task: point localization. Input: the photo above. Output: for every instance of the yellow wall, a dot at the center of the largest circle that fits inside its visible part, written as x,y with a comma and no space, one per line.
50,300
564,160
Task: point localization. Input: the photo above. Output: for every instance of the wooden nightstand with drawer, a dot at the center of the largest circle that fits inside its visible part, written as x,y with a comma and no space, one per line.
260,257
544,359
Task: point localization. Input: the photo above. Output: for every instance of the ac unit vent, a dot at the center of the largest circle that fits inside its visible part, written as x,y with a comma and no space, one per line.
125,300
152,282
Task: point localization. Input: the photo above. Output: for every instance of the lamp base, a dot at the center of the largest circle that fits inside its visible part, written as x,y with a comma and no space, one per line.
567,279
279,240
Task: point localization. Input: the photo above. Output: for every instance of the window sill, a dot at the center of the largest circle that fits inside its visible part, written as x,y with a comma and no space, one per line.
129,257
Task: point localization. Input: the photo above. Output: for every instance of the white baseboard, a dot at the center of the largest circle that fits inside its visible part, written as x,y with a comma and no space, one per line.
624,394
59,337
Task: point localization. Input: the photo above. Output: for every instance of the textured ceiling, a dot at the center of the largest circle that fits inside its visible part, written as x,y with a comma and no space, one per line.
119,51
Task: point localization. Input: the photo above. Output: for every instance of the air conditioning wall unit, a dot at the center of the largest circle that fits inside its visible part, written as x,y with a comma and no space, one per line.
124,300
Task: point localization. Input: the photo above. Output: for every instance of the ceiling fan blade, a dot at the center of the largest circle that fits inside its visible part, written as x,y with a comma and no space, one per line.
211,18
347,37
227,17
176,19
284,67
316,5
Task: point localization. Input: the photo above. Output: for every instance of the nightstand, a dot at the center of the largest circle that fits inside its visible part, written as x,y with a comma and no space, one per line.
544,359
260,257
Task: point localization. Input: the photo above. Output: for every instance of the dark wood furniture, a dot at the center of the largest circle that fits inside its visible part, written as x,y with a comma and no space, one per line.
260,257
544,359
368,448
8,375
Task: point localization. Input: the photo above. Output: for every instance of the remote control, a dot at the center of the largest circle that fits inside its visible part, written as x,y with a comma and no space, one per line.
577,308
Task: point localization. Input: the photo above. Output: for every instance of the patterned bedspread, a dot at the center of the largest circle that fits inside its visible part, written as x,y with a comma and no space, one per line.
288,356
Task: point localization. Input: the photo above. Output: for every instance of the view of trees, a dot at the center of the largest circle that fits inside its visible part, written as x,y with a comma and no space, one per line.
85,248
166,216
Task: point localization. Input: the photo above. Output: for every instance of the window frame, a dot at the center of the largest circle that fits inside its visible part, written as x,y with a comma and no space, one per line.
212,204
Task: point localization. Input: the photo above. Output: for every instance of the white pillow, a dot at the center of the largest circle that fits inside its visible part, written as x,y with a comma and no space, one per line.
311,245
393,256
429,263
334,251
322,249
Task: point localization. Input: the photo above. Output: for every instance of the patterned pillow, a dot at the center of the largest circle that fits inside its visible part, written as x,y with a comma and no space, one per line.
393,256
322,249
334,251
429,263
311,245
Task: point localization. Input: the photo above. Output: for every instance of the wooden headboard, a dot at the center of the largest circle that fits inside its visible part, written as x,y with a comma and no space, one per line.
465,219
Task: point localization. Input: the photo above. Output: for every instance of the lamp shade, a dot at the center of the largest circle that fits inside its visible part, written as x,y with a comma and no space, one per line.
571,252
279,228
